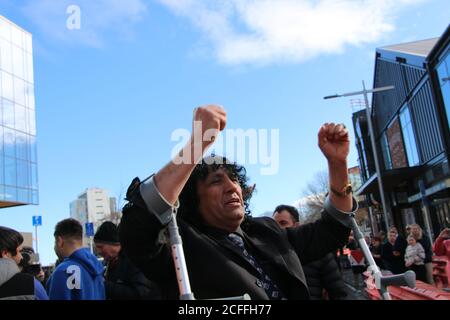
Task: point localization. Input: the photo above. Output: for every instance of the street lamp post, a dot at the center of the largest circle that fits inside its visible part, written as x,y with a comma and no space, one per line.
372,140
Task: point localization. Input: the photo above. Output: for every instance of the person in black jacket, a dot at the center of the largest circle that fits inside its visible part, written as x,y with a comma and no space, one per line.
393,263
322,274
228,252
123,281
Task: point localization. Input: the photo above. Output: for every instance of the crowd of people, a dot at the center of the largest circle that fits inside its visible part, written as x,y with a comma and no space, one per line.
228,252
397,253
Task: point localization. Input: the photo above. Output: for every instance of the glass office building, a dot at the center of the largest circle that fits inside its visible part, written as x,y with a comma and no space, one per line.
18,159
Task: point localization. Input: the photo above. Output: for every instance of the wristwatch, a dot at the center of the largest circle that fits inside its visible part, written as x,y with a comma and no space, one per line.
345,191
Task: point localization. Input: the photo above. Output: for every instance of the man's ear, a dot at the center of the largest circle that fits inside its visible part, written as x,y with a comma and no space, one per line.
59,241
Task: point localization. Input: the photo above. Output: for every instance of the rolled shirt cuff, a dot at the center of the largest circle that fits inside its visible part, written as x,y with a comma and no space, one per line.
155,201
341,216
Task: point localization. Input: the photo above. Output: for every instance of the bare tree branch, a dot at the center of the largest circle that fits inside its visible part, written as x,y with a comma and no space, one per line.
314,195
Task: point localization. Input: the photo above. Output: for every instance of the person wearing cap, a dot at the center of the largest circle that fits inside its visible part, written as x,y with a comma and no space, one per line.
30,264
123,281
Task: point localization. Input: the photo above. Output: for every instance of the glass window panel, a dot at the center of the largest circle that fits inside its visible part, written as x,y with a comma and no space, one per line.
5,29
26,94
442,72
7,86
32,145
9,142
386,152
10,171
1,110
445,90
16,36
22,174
408,137
19,91
5,56
29,66
2,192
20,118
27,121
34,197
1,141
31,101
18,62
21,146
2,168
8,113
10,194
443,68
23,195
34,176
29,95
32,122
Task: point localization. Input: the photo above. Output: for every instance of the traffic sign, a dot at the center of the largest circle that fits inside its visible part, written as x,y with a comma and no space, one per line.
37,221
89,229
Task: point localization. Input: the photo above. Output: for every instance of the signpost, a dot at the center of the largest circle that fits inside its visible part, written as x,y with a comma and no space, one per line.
37,221
89,226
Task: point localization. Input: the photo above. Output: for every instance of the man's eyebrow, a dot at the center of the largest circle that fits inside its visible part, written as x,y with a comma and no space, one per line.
216,174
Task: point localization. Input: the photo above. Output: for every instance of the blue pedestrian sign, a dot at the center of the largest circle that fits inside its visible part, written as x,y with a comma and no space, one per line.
89,229
37,221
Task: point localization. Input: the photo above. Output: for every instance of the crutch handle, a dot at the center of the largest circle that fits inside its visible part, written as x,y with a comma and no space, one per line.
405,279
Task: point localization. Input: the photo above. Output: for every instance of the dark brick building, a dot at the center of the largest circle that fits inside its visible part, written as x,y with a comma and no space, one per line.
412,135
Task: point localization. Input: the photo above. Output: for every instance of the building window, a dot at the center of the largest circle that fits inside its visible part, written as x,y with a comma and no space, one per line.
408,136
386,153
363,164
443,73
396,144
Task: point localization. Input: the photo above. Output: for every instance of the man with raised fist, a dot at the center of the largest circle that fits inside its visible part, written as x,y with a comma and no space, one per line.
228,252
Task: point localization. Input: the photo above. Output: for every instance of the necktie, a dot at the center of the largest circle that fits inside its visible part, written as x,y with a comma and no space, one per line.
271,289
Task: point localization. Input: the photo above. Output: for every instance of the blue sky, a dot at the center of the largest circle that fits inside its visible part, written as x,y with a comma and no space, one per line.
109,95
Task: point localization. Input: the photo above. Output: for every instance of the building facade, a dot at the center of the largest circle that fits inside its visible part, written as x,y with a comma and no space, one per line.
18,155
93,206
411,124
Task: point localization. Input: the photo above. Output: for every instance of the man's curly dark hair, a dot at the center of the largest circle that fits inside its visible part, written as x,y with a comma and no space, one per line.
189,200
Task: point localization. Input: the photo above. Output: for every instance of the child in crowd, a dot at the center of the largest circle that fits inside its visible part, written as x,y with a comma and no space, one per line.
415,257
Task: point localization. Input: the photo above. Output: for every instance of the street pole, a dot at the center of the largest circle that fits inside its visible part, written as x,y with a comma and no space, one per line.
36,236
372,140
375,155
372,221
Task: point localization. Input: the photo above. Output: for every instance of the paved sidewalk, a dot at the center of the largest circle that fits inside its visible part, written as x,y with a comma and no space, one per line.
356,291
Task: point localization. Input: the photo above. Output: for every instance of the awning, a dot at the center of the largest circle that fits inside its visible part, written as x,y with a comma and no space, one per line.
391,179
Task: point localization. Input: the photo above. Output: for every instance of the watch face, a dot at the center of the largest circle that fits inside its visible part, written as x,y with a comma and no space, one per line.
348,189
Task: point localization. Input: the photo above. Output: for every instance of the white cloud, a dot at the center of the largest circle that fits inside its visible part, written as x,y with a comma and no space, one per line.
98,18
263,31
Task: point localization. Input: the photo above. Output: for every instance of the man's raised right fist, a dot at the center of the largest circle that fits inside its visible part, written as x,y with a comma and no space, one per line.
208,121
